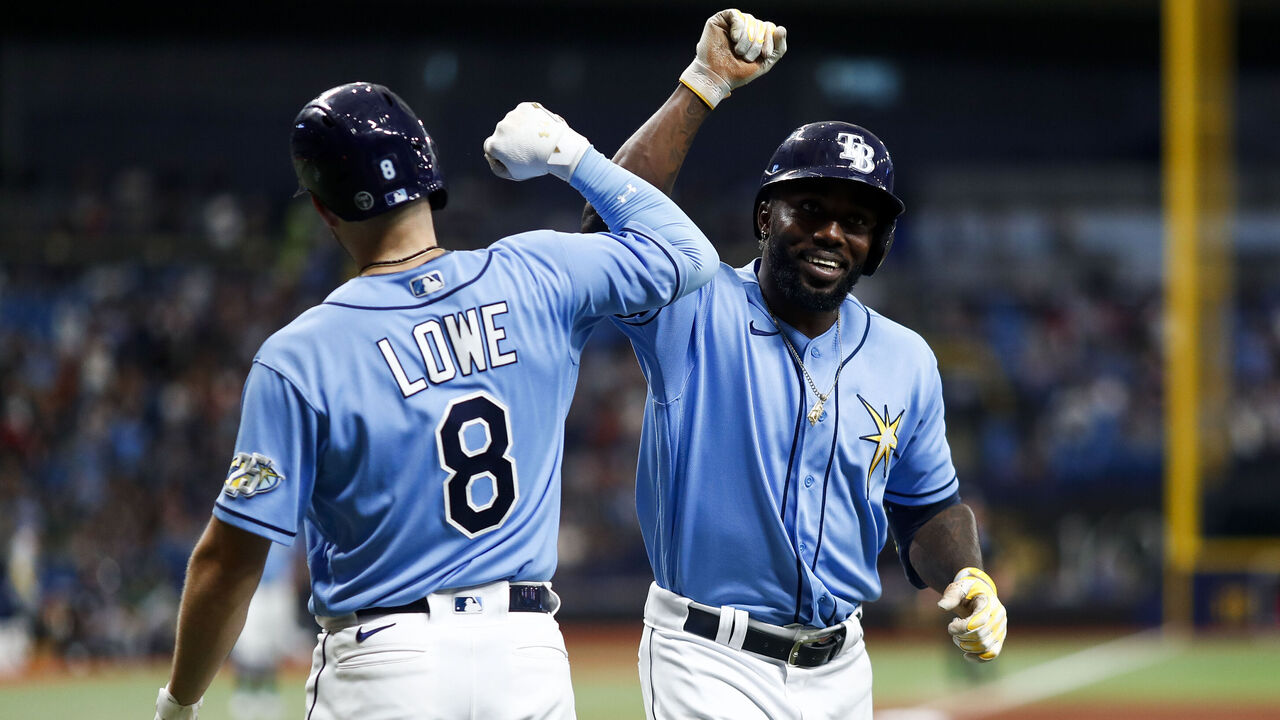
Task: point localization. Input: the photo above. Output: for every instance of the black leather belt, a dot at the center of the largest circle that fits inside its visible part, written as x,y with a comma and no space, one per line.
801,647
523,598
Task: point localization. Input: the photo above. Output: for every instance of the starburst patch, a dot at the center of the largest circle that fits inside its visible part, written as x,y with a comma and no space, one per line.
250,474
885,438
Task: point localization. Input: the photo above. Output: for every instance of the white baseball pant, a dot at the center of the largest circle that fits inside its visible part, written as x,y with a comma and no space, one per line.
467,658
270,631
683,675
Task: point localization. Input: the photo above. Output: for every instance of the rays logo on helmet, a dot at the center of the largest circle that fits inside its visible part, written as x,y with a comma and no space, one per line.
856,150
250,474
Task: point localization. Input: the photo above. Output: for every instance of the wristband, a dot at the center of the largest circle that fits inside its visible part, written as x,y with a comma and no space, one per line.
168,707
705,83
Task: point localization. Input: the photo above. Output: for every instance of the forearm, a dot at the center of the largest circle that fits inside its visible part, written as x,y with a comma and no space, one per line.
626,201
215,600
945,544
657,150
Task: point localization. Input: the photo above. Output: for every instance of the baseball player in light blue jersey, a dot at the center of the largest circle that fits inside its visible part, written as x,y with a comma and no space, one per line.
411,427
789,429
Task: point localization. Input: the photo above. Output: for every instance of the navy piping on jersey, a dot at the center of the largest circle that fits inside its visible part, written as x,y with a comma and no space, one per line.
865,332
255,521
625,319
487,261
795,441
324,659
751,325
822,518
953,481
822,515
826,478
674,296
786,488
646,321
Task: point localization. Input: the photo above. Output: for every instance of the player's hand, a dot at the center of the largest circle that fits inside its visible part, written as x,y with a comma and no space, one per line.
735,48
167,707
531,141
980,628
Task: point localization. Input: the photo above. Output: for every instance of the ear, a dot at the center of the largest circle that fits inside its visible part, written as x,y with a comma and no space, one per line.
325,213
764,213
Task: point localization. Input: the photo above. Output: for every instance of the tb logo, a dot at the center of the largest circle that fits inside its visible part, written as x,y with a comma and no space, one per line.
856,151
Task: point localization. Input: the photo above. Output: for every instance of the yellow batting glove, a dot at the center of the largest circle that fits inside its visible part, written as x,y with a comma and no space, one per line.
735,48
982,623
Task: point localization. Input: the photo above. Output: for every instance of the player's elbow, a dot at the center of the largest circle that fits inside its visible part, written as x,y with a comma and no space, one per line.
703,261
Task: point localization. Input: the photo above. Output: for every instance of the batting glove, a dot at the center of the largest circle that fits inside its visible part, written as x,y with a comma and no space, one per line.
980,634
735,48
167,707
531,141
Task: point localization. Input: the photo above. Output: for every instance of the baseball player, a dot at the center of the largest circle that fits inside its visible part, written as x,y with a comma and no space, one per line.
789,428
411,427
269,637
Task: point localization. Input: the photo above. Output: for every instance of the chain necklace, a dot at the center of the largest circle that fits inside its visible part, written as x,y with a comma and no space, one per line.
404,259
816,411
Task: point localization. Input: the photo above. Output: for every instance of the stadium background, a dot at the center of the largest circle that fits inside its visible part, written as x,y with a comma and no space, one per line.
149,243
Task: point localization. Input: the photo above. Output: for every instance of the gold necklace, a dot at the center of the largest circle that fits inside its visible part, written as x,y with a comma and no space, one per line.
816,411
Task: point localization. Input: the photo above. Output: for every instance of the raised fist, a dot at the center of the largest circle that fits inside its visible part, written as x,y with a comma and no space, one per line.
531,141
735,48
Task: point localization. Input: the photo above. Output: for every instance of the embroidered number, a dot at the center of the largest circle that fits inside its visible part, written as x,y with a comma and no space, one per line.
388,169
464,420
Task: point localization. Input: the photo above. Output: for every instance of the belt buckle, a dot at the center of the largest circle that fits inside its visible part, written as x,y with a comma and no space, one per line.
794,655
804,637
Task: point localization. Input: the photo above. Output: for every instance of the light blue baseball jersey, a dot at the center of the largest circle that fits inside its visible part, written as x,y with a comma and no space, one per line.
412,425
741,500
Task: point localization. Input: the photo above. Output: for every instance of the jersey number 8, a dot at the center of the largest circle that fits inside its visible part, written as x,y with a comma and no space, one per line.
466,465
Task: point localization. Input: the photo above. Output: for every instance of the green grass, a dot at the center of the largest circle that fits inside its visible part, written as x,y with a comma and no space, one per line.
1239,670
906,673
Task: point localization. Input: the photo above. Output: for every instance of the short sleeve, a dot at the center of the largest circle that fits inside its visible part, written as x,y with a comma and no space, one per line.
268,486
924,473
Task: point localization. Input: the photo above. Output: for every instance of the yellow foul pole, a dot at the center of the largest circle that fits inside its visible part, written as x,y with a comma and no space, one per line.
1198,199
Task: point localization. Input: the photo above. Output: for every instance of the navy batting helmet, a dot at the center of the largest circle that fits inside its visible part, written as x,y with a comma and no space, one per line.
843,151
361,151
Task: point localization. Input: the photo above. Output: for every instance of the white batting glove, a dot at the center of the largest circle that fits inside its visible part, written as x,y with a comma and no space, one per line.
979,633
735,48
167,707
531,141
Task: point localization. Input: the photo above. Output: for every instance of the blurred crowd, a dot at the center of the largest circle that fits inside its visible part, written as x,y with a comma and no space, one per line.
121,382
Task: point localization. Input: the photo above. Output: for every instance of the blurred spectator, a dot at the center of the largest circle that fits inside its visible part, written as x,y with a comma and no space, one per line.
122,357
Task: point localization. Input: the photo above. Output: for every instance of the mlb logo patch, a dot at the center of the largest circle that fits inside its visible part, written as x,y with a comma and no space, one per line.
467,605
395,197
424,285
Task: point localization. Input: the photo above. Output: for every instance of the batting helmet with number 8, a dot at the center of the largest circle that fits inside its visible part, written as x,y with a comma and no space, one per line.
361,151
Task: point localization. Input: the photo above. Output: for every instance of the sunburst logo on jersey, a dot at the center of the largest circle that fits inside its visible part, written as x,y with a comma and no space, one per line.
250,474
885,438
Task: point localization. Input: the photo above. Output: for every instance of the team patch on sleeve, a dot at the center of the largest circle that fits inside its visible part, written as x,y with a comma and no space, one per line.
250,474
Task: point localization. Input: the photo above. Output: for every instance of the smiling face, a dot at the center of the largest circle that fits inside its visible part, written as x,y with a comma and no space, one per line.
817,233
